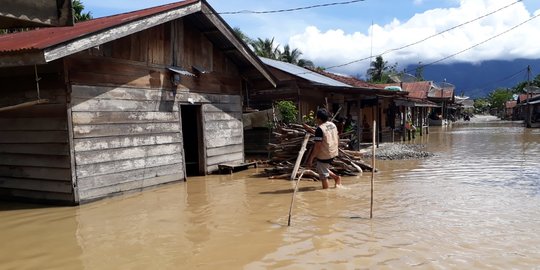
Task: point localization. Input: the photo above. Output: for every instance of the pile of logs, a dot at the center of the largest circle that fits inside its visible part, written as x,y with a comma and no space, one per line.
288,143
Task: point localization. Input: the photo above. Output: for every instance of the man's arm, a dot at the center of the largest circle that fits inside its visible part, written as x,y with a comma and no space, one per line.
314,152
317,147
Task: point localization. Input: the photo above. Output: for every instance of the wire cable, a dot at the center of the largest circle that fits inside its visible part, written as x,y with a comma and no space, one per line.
289,9
478,44
427,38
503,79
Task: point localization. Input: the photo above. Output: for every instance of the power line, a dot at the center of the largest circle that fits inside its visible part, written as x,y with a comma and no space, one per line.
289,9
429,37
481,43
504,79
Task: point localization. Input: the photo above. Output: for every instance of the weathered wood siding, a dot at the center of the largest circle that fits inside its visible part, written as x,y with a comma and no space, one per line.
34,146
124,139
127,131
222,127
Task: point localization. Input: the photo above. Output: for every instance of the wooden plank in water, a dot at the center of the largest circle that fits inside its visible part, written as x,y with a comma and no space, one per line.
230,167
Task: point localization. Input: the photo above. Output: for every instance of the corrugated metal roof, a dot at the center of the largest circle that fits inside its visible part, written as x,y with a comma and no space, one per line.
43,38
303,73
350,80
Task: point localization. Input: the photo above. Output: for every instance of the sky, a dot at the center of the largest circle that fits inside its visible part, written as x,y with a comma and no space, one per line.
405,32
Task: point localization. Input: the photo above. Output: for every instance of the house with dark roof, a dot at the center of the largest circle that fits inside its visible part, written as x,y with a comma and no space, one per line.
122,103
343,96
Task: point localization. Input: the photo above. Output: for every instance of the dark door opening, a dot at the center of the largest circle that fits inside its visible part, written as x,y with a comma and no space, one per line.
192,139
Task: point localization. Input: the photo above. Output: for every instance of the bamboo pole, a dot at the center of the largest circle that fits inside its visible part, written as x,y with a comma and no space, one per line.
293,196
300,155
373,169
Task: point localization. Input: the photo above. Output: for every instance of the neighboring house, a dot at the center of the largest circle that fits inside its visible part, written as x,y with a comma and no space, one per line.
311,90
531,111
415,104
121,103
509,109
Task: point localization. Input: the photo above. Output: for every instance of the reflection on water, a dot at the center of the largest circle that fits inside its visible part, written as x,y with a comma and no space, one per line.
474,205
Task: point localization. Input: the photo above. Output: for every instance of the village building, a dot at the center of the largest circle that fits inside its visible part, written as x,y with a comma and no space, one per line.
121,103
415,107
311,90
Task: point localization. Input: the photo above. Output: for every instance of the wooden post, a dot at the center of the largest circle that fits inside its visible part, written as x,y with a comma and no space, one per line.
372,170
300,155
404,120
359,126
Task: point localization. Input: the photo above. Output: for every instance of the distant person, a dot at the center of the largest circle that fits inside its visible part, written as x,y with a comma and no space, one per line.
326,148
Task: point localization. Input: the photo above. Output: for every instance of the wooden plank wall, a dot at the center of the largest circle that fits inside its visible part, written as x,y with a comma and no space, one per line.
126,122
222,127
34,149
124,139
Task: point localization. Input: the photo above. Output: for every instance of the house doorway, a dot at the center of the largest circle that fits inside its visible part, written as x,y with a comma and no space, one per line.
191,117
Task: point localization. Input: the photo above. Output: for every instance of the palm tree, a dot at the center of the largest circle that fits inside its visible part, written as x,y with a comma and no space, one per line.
377,68
293,57
239,33
306,63
266,48
290,56
78,15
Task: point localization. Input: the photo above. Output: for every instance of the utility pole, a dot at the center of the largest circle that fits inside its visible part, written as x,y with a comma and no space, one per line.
529,96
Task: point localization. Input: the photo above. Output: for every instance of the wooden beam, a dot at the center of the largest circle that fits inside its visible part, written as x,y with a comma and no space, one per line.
24,105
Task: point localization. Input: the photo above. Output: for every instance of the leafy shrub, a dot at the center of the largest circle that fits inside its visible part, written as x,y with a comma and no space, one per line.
288,111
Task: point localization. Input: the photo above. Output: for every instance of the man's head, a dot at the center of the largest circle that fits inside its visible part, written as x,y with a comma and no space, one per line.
322,115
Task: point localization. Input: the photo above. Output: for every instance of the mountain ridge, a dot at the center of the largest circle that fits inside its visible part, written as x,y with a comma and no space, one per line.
478,80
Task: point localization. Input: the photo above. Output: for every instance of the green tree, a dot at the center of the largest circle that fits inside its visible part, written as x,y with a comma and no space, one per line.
481,106
78,15
288,111
266,48
306,63
419,72
498,97
520,87
240,34
377,69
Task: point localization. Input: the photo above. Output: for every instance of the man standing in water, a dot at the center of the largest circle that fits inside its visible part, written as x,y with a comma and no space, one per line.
325,149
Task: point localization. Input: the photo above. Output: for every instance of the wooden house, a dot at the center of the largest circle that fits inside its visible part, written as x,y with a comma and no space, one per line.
415,107
121,103
311,90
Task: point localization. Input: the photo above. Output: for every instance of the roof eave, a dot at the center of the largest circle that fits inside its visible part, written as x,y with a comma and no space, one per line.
113,33
28,58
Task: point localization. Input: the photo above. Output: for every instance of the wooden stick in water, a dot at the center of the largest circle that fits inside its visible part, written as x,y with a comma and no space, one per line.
373,169
293,196
300,155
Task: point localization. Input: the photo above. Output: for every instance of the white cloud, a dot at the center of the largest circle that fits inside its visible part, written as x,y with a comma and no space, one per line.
333,47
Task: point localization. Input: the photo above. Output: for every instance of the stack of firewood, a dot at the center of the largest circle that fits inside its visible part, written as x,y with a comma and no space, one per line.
288,142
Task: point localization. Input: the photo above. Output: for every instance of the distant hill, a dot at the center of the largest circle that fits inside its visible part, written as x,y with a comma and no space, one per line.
478,80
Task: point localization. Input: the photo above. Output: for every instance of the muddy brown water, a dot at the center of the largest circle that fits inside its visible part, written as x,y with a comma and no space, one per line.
474,205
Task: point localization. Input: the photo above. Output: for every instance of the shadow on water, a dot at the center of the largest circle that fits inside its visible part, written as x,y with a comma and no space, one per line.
288,191
15,205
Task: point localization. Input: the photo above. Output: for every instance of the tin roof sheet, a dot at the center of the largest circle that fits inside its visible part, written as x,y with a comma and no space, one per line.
303,73
43,38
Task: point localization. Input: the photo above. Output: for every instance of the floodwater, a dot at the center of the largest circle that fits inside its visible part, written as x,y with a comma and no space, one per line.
474,205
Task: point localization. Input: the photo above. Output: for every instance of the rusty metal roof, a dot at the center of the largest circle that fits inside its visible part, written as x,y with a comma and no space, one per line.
43,38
